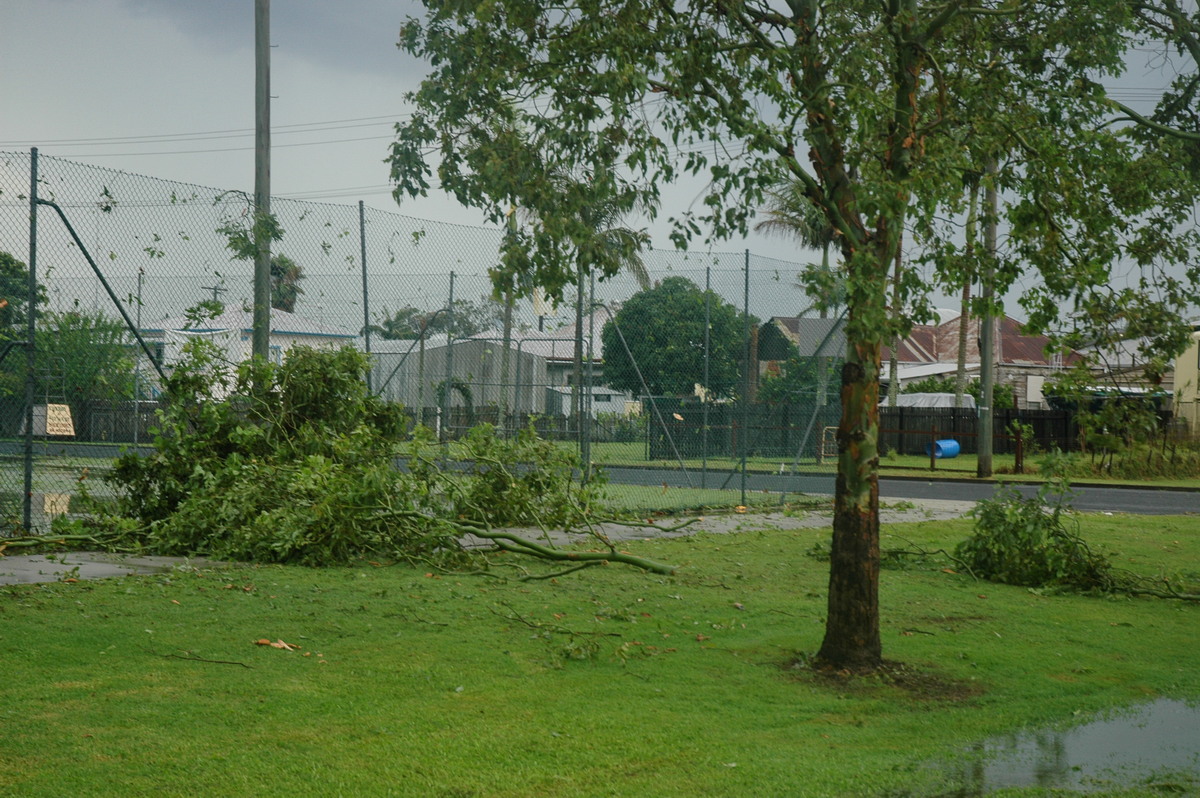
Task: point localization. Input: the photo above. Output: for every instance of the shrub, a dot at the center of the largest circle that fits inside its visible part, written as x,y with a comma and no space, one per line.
1032,542
301,464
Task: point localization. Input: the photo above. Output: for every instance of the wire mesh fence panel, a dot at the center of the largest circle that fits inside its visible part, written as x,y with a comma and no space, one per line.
712,399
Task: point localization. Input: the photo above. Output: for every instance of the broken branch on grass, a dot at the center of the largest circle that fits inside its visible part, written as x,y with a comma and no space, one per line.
536,577
47,541
920,552
643,525
189,656
547,627
518,545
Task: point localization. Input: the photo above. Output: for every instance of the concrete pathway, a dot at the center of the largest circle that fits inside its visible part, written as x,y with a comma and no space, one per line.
724,523
24,569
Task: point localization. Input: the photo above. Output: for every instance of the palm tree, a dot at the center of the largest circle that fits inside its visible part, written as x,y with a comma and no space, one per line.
286,275
791,213
601,243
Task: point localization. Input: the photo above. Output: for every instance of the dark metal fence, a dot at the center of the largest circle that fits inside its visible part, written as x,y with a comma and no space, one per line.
909,430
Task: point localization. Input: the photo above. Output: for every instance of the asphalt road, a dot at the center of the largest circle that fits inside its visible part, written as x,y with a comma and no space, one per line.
1145,501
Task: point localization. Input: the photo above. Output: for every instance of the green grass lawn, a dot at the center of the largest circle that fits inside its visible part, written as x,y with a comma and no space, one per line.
604,682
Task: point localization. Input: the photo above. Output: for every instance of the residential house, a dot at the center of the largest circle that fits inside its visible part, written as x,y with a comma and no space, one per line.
1187,385
557,347
929,350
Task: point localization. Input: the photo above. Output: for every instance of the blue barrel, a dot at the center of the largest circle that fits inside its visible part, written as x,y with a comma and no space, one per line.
944,450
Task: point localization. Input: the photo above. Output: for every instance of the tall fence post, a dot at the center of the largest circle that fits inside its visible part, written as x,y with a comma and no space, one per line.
1019,464
933,445
449,379
585,397
707,357
749,365
30,346
362,244
137,365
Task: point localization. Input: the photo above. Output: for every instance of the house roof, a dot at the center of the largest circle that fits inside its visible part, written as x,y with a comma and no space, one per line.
558,344
938,343
282,323
930,343
813,337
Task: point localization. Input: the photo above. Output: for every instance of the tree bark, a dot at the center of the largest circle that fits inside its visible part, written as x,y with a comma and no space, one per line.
852,639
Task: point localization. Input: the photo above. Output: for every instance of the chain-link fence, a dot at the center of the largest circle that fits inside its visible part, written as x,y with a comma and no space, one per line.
123,260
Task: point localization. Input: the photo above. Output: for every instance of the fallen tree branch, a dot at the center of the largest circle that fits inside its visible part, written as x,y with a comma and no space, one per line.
643,525
187,655
556,574
549,627
48,541
518,545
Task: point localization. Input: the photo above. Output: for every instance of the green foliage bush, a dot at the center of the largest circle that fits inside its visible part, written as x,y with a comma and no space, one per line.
1136,461
310,468
1032,542
620,427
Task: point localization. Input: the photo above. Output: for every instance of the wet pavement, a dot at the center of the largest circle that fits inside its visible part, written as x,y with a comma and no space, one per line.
59,567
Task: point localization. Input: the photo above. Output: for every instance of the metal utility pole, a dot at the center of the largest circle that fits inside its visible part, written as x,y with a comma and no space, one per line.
261,340
216,289
987,344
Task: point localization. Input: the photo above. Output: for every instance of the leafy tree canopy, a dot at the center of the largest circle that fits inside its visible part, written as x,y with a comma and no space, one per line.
879,110
84,354
662,328
14,297
800,380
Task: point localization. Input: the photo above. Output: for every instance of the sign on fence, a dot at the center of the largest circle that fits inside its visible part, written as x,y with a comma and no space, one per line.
52,421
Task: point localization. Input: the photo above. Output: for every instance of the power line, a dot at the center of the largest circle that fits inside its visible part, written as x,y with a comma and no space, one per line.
219,149
203,135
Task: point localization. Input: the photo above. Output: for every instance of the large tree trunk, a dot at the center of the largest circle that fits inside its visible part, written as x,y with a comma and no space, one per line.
852,638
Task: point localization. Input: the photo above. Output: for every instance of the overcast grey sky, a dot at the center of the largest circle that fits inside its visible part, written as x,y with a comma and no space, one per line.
166,88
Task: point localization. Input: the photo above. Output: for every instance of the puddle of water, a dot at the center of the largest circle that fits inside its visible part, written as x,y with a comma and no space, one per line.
1159,740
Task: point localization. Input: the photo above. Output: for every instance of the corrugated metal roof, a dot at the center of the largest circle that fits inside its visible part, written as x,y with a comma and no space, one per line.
282,323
